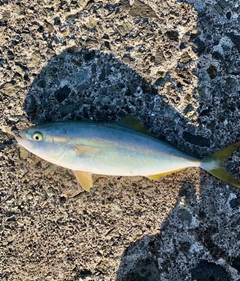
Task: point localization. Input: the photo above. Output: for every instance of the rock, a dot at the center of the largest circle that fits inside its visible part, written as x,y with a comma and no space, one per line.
35,60
235,39
62,93
236,263
196,140
140,9
172,35
92,23
103,267
209,271
212,71
30,104
144,270
185,216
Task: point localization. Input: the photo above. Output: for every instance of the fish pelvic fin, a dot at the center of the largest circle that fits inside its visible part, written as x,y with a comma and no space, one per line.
84,179
159,176
214,164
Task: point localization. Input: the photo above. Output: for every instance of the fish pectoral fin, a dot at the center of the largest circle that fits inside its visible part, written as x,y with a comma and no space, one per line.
84,149
132,123
84,179
159,176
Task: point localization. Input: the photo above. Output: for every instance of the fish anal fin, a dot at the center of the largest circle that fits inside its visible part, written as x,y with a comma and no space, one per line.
159,176
132,123
84,149
84,179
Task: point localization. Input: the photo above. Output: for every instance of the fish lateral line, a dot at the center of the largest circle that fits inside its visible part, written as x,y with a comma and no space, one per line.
157,159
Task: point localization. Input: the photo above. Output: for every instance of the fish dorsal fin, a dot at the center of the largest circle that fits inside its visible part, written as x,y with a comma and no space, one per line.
132,123
84,149
159,176
84,179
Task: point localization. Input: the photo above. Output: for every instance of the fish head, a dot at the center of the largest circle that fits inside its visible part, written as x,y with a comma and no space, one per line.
48,141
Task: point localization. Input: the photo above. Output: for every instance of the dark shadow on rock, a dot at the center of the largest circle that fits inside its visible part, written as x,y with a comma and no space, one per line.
189,246
199,239
89,85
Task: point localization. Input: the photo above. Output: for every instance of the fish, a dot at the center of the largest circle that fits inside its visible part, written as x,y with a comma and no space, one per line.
124,148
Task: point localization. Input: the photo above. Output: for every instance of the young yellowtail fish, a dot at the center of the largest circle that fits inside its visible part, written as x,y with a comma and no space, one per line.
124,148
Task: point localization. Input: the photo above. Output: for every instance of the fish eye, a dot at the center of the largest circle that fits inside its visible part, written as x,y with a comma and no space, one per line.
37,136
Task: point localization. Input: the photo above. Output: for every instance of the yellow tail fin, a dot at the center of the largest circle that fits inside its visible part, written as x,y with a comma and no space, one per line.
213,164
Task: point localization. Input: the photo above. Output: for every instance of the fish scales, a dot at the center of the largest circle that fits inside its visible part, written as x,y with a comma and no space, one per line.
121,149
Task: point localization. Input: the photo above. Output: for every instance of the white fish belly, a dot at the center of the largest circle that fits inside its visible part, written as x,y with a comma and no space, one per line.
128,165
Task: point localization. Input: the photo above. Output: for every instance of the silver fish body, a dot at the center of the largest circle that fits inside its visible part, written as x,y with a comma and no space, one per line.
120,149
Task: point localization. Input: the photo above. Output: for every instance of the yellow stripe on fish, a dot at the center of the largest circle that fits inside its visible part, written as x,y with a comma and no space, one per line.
124,148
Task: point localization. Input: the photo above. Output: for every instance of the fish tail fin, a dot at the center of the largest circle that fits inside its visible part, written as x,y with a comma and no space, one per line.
214,164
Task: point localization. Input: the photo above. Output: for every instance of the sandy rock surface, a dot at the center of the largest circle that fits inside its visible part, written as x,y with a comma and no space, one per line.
175,65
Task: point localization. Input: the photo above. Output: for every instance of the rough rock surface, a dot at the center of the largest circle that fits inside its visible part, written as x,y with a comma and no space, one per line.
175,65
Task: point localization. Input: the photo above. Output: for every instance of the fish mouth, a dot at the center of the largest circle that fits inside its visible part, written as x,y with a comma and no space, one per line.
21,140
19,137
